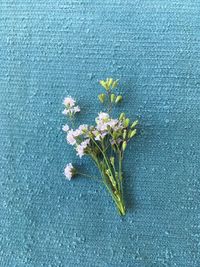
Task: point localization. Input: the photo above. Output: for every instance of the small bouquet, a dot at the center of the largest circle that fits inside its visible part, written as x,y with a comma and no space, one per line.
105,142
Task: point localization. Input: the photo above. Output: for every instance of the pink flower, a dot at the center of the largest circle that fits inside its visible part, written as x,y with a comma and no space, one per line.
65,128
69,171
69,101
81,148
70,138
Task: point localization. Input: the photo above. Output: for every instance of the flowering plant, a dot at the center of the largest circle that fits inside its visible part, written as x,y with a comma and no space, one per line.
105,142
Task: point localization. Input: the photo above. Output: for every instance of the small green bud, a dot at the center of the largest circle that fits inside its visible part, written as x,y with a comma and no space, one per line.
112,98
126,122
109,173
118,99
134,124
101,97
115,83
115,135
133,133
122,116
124,134
109,82
112,160
124,145
104,84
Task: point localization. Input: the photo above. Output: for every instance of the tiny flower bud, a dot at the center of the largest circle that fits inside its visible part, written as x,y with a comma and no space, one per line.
124,145
134,124
118,99
109,173
109,82
112,98
115,135
104,84
101,97
112,160
126,122
122,115
115,83
133,133
124,134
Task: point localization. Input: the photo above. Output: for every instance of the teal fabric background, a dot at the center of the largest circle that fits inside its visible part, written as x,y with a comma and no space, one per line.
51,49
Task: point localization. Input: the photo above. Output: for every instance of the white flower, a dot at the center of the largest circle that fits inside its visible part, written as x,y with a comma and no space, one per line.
112,123
118,141
69,101
70,138
65,128
75,109
83,128
65,111
99,135
103,116
77,133
69,171
81,148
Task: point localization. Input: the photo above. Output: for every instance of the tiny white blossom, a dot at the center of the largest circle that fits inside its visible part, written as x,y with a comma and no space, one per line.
76,109
65,112
70,138
77,132
103,116
83,128
69,171
69,101
65,128
81,148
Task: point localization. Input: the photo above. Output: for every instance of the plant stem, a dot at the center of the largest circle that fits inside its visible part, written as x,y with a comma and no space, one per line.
86,175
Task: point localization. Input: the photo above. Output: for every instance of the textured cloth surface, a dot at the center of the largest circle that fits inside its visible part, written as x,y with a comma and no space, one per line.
50,49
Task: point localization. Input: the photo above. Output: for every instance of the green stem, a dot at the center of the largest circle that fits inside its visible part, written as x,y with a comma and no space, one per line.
89,176
116,193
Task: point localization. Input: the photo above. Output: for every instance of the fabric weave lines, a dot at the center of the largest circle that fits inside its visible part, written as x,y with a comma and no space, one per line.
52,49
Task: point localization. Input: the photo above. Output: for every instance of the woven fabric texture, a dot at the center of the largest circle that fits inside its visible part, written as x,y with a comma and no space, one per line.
51,49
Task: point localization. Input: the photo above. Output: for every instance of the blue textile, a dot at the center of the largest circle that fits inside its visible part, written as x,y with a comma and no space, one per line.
51,49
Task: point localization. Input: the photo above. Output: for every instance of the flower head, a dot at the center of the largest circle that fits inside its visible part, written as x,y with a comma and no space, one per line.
65,128
75,109
71,138
81,148
83,128
69,171
103,116
65,111
69,102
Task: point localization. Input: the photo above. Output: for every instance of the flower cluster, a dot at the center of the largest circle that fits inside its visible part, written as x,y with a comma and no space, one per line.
70,107
69,171
104,142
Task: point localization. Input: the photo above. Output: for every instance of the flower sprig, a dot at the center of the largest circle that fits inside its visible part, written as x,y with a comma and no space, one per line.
104,142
